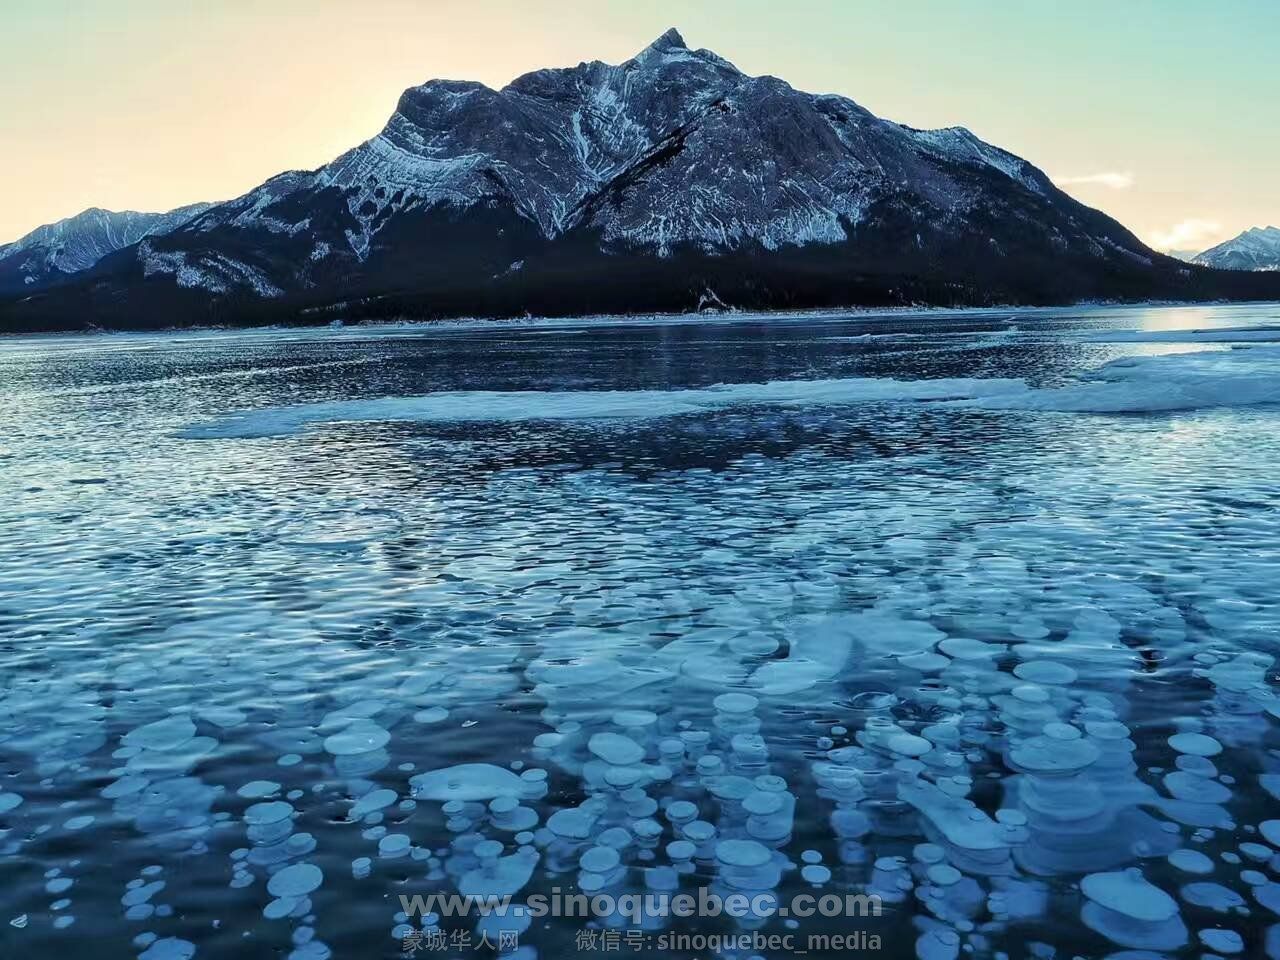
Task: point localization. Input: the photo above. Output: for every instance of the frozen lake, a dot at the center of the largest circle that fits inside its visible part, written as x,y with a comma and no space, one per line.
973,611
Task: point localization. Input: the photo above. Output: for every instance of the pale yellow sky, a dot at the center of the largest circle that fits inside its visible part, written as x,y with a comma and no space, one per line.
1161,112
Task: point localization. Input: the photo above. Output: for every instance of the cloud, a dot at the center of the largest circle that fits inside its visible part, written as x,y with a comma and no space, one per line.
1111,179
1192,234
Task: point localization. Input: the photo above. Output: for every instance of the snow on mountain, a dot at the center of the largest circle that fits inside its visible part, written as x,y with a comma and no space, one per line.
56,250
666,181
675,147
1255,249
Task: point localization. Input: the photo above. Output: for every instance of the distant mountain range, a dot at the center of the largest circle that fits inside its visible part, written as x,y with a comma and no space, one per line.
667,182
1255,249
53,253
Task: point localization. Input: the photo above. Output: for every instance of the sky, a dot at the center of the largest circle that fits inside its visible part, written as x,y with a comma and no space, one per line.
1163,113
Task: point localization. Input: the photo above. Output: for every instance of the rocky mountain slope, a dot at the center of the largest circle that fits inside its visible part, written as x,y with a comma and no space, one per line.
1255,249
52,253
662,183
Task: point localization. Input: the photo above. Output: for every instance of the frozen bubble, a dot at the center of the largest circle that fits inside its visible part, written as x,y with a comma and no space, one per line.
811,856
730,787
815,873
225,717
887,634
1191,861
1045,671
1214,896
11,801
1197,789
1257,852
503,876
781,677
635,718
393,845
1129,893
1270,830
169,948
1030,693
1196,744
431,715
699,831
312,950
360,736
361,867
908,744
599,860
1029,628
167,734
938,944
966,648
761,803
78,823
1057,730
1221,941
280,908
681,850
572,822
373,801
681,812
1198,765
735,703
616,749
296,880
466,781
1047,755
257,789
930,852
943,874
742,853
141,893
272,811
1268,894
925,662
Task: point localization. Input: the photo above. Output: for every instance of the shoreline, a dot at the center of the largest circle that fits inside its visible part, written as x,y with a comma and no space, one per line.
461,324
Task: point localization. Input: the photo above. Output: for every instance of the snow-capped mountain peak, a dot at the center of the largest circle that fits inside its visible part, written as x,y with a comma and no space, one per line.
646,183
1257,248
672,147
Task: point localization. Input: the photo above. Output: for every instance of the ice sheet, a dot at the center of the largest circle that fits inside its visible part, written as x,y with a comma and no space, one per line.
484,405
1181,381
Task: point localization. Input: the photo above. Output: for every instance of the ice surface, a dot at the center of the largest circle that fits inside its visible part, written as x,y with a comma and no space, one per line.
1216,335
1170,382
595,404
959,658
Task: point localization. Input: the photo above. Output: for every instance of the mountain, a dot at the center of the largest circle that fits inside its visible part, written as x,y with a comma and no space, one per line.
53,252
1255,249
662,183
